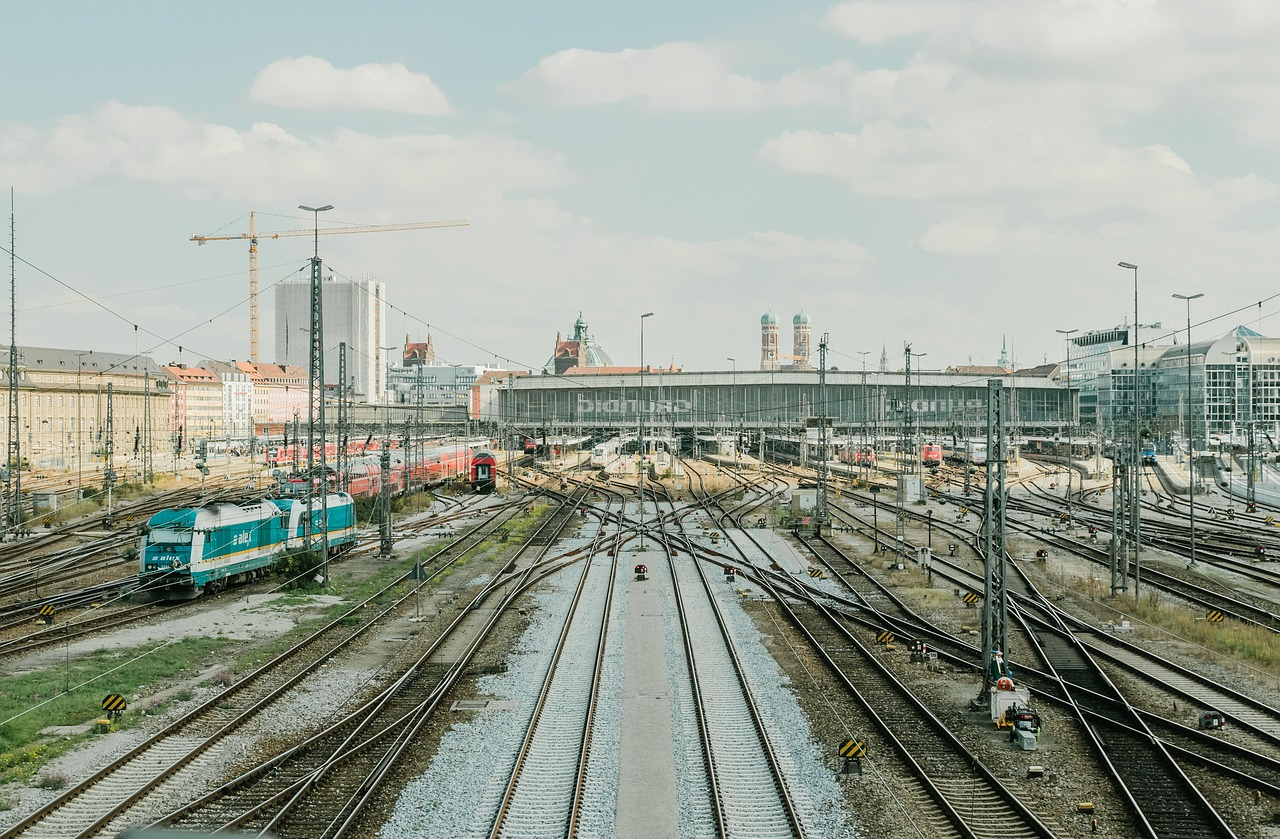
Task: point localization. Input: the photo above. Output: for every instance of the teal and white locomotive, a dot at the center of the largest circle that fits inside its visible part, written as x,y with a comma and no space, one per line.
186,552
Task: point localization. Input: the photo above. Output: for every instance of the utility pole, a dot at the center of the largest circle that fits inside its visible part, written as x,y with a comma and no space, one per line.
108,470
642,405
384,498
1118,551
995,612
315,406
13,507
1135,510
1067,333
343,431
864,412
146,423
417,414
909,450
1251,497
820,510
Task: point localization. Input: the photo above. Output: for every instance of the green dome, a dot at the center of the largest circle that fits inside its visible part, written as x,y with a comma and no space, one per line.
768,319
799,319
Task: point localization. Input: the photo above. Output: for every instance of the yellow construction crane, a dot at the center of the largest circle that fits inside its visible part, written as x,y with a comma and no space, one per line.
254,235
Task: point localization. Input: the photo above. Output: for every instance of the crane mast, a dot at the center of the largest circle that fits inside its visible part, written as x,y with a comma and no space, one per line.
253,235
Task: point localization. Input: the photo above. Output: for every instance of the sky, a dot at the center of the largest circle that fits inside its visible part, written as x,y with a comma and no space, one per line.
944,173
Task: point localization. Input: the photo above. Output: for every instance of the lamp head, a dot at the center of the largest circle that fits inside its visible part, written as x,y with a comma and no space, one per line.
315,209
1128,265
1189,297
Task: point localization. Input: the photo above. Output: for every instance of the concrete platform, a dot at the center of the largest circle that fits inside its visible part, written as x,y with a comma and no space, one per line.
647,803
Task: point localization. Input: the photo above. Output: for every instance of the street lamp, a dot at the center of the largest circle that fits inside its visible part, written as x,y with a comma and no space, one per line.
1191,459
80,426
642,404
1137,445
1070,416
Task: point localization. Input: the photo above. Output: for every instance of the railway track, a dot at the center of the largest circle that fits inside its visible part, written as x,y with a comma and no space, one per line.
169,761
548,777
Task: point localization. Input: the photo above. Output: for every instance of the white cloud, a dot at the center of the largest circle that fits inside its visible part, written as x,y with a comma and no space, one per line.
518,263
674,76
875,23
163,146
314,84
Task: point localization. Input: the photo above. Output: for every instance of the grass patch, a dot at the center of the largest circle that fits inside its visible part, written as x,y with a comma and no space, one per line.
1248,647
23,749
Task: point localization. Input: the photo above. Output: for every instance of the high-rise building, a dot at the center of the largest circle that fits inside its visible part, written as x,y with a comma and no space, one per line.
354,312
769,342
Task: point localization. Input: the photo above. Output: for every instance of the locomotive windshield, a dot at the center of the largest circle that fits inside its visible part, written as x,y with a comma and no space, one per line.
169,537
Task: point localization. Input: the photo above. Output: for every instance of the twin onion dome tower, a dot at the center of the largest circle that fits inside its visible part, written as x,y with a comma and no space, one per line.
802,332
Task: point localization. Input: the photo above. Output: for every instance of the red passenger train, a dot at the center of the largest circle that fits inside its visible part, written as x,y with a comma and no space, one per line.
484,472
416,471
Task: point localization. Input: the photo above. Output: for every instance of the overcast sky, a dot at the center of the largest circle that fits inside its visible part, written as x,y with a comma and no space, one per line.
945,173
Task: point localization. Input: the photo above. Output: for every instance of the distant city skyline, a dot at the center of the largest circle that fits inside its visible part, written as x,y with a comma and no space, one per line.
937,172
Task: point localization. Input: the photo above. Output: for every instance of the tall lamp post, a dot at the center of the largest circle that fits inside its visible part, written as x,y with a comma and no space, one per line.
1070,416
642,404
1191,458
1137,444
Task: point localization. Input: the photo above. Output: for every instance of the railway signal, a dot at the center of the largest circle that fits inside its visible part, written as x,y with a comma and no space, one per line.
114,705
853,748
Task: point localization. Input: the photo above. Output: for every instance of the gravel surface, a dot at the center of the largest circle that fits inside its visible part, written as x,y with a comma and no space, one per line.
459,793
448,783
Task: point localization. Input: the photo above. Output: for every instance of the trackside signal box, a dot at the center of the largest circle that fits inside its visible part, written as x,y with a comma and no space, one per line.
642,573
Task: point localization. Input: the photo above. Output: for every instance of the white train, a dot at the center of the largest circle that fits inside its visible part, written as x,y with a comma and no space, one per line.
965,451
603,455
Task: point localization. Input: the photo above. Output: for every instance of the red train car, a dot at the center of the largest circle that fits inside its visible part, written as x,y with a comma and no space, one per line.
859,456
931,454
484,472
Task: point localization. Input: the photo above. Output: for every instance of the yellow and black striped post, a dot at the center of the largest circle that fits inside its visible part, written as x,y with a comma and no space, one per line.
46,613
884,636
1214,616
114,705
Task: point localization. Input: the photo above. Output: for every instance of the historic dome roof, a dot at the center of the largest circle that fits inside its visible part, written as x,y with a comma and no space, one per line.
768,319
799,319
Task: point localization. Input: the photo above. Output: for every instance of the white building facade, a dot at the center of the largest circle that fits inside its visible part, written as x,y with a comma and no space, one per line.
354,313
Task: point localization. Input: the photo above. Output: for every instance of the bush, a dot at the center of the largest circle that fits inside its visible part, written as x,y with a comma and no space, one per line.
298,568
52,780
